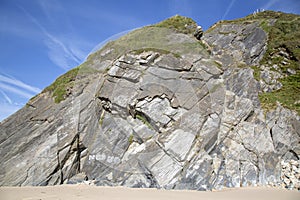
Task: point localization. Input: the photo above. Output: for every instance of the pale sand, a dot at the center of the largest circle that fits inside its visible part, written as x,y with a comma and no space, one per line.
80,192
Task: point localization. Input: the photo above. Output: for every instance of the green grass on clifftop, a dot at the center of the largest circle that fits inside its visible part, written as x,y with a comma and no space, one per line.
179,24
288,95
162,37
283,34
59,87
158,37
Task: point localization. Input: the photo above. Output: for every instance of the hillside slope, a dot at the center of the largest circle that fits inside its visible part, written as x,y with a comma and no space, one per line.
159,108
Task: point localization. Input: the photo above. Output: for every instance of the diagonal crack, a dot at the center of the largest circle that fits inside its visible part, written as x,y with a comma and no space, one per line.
77,149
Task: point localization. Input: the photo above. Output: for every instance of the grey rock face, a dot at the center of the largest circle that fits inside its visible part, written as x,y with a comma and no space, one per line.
236,44
269,80
160,120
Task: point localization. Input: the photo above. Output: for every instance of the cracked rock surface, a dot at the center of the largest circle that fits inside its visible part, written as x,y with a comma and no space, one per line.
156,119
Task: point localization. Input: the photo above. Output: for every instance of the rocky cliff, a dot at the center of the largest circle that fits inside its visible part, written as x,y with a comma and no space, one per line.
160,108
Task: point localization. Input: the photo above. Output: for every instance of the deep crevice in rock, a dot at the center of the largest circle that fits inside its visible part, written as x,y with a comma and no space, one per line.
173,69
272,138
250,116
106,104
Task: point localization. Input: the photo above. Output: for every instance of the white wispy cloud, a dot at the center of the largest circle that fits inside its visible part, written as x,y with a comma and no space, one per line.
60,54
6,97
291,6
14,86
50,7
111,38
18,83
8,109
76,46
13,24
228,9
14,90
59,51
13,94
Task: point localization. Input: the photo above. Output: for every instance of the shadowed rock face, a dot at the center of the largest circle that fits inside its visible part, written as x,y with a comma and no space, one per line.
154,117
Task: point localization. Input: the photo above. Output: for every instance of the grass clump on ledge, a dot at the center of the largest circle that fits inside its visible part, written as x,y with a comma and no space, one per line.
256,72
66,81
179,24
130,139
144,120
288,95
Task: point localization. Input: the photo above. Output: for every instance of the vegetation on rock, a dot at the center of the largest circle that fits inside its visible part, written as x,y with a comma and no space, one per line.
147,38
161,36
179,24
283,51
65,82
288,95
283,34
137,41
191,116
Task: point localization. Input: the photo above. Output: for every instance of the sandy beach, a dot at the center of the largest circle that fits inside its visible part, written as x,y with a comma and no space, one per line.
81,192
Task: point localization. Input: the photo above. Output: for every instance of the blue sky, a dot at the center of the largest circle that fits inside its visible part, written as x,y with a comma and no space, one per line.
42,39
